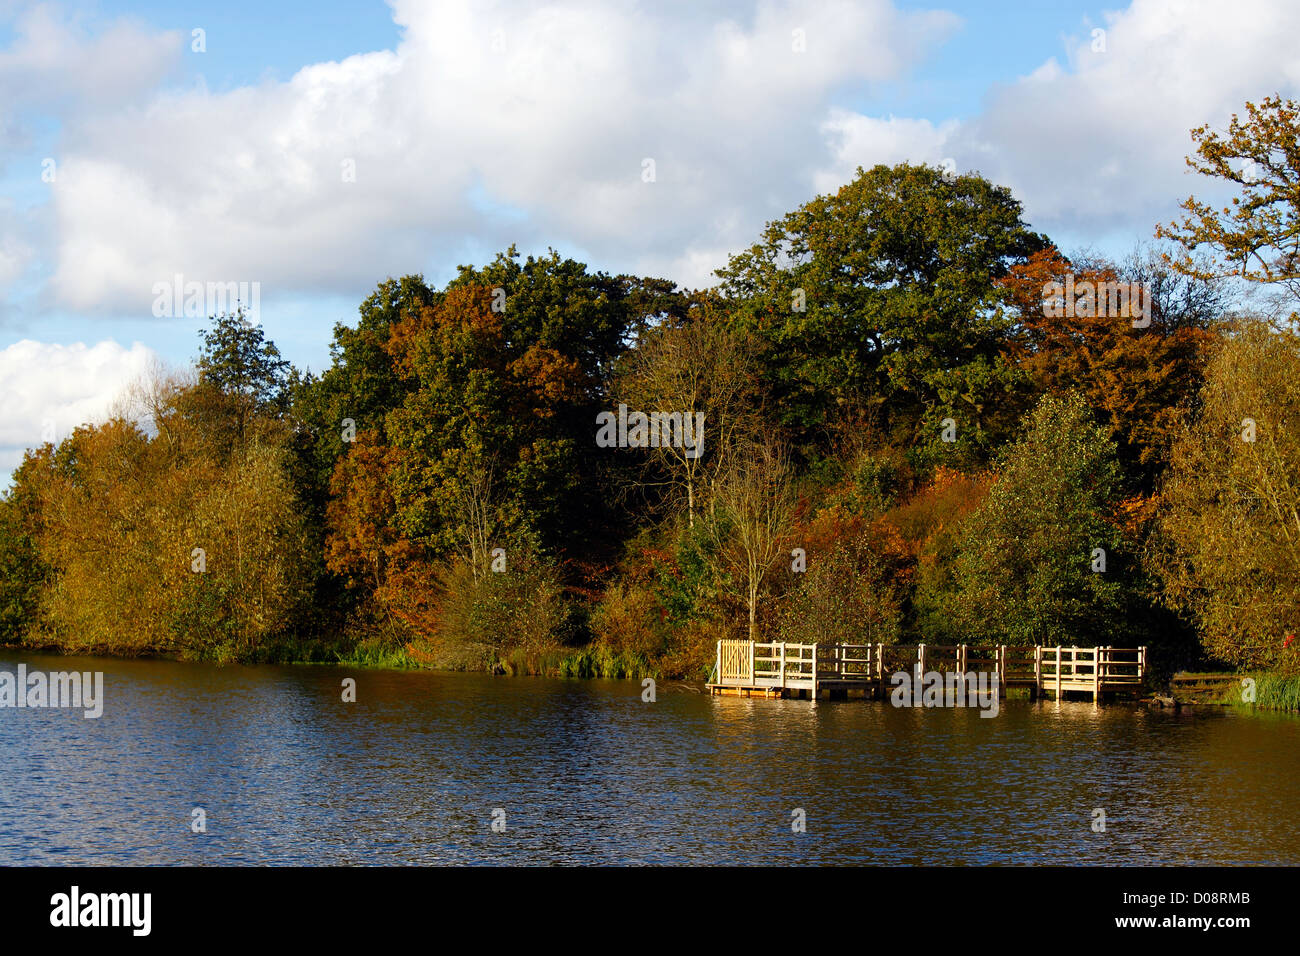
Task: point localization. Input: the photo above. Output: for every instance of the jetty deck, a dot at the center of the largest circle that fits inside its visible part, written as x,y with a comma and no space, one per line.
780,669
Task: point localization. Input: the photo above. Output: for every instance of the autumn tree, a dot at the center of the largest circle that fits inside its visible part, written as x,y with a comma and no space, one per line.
360,536
1139,370
853,587
1257,236
175,525
1228,513
511,364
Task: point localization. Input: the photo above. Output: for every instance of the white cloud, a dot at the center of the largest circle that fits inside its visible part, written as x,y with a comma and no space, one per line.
47,390
1098,146
55,60
855,140
496,121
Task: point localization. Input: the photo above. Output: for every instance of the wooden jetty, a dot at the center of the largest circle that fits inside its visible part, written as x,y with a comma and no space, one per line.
779,669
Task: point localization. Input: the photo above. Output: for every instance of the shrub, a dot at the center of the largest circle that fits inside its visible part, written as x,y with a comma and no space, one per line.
485,619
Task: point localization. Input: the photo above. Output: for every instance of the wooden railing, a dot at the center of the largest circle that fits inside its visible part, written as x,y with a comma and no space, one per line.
780,664
1096,665
784,665
845,661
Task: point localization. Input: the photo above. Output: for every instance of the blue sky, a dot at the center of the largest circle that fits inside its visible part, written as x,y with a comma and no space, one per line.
474,125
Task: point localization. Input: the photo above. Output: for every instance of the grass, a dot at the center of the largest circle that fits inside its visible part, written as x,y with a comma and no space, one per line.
1272,692
594,661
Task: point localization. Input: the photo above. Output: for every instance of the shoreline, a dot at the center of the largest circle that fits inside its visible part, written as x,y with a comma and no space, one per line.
1154,700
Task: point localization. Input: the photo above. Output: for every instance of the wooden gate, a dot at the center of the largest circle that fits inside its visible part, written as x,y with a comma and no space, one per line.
735,662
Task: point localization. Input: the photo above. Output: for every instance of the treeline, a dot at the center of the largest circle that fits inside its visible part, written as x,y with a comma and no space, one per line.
922,422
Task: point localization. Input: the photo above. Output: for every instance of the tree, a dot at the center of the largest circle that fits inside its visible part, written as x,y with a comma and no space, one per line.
237,358
1042,561
360,536
164,541
882,294
697,367
363,383
849,594
755,500
1228,512
1258,237
1140,374
511,364
22,572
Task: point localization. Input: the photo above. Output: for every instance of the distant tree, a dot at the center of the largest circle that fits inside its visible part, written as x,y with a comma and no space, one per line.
1179,301
1258,237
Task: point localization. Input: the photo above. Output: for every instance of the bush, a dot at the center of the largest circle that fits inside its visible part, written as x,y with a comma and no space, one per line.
848,595
630,620
487,620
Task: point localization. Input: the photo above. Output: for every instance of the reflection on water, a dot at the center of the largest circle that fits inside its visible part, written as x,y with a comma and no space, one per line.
587,773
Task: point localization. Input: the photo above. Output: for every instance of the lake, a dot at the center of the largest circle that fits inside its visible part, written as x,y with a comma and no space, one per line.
585,772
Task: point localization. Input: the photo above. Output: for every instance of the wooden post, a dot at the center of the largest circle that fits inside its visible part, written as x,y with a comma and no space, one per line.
1038,670
1096,675
751,663
1058,672
880,670
814,672
1002,670
920,659
718,667
783,665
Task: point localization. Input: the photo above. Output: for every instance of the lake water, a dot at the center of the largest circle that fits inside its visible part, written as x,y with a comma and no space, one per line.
585,772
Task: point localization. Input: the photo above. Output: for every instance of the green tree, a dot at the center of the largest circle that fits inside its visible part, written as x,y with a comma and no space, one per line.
22,572
511,366
237,358
1028,561
881,295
